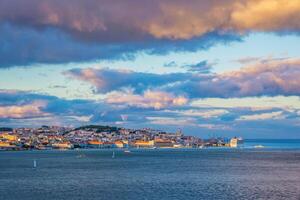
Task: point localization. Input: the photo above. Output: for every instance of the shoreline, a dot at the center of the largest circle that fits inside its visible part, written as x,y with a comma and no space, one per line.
157,149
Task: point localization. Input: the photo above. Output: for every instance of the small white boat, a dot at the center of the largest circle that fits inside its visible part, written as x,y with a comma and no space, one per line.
127,151
34,164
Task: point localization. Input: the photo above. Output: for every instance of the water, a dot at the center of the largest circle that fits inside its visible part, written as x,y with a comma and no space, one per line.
270,173
273,143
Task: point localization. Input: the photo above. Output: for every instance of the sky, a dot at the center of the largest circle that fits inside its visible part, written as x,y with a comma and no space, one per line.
210,68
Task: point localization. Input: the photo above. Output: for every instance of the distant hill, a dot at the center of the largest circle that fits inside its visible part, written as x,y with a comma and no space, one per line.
99,128
5,129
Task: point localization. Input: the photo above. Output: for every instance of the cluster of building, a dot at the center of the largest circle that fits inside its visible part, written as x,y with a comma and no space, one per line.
94,136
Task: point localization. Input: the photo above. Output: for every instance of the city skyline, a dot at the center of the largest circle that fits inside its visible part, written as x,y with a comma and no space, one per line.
227,68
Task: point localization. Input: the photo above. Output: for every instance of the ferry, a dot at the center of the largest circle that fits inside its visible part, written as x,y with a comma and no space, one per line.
235,142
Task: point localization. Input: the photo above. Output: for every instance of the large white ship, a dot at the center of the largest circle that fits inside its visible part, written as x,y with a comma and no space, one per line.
236,142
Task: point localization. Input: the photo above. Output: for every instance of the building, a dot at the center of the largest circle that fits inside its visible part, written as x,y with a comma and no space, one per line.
8,137
7,146
62,145
143,144
95,144
108,145
119,144
161,143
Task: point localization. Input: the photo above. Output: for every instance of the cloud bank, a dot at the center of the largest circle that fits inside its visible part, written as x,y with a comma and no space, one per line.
23,111
150,99
266,78
59,32
151,109
126,20
107,80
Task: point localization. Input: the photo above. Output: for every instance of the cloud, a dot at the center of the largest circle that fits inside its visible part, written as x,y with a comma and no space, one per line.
254,103
274,77
19,98
25,107
52,31
185,122
201,67
265,78
105,21
169,19
270,15
150,99
155,109
57,86
268,78
170,64
23,46
247,60
106,80
82,118
203,113
24,111
22,104
261,60
224,16
172,121
263,116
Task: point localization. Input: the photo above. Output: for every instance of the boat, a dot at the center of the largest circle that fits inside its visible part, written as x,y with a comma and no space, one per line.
127,151
236,142
34,164
113,155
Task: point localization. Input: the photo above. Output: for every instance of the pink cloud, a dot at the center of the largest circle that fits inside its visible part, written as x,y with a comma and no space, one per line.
269,77
33,109
265,77
127,20
150,99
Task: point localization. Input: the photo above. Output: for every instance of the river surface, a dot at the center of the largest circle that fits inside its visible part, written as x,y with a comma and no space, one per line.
248,173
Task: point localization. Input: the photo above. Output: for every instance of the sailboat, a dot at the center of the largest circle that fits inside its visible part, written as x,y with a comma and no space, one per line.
34,164
113,155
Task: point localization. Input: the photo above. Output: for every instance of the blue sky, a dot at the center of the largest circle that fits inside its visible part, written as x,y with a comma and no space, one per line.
184,70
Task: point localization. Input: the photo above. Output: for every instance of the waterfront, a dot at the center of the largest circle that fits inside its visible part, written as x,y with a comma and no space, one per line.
103,137
214,173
